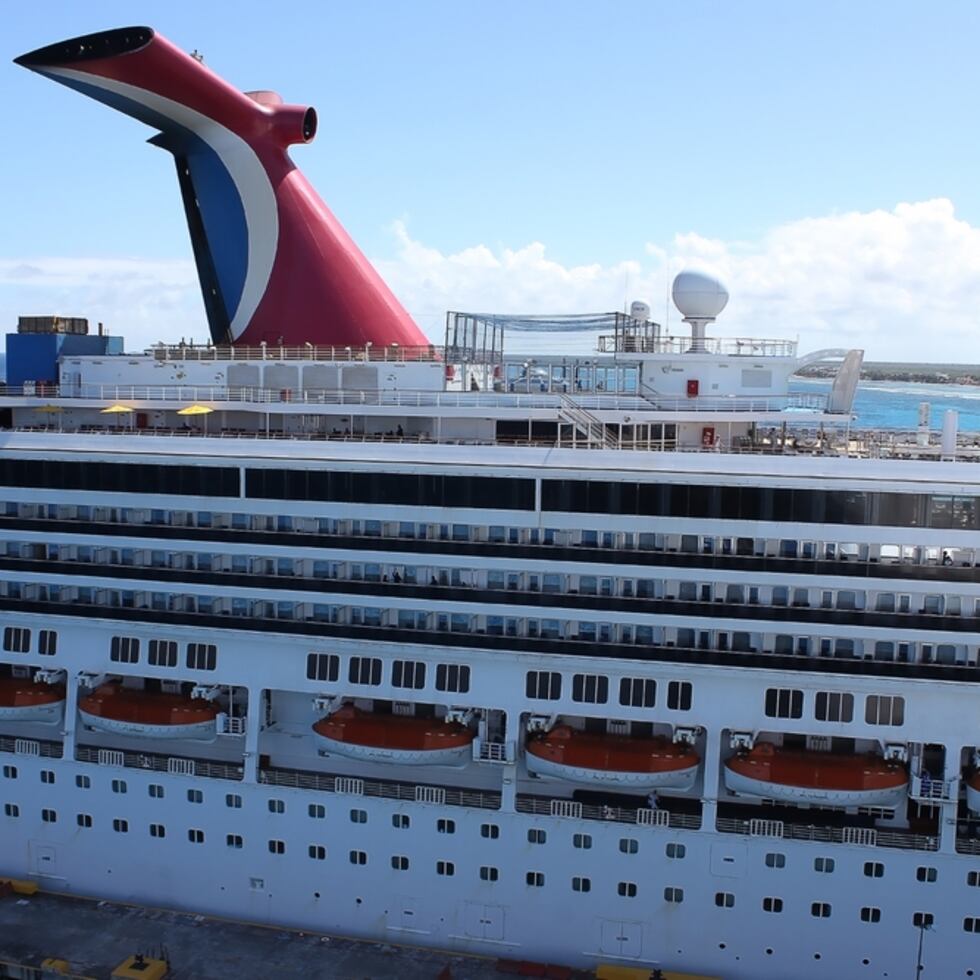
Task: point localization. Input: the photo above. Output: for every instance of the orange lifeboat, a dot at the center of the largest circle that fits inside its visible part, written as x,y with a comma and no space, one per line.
614,761
148,714
399,739
801,776
22,699
973,791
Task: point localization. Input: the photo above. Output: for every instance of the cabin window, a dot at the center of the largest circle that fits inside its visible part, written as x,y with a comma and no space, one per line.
399,862
725,900
235,841
770,904
49,816
364,670
774,859
316,811
408,673
675,851
490,830
358,816
536,880
454,678
923,920
195,836
156,830
874,869
880,709
973,879
195,796
163,653
971,924
582,841
120,826
277,847
83,782
820,910
47,643
784,702
629,845
445,826
824,865
277,806
155,790
84,820
626,889
590,688
401,821
674,895
637,692
11,810
202,656
580,884
543,685
317,852
834,706
488,873
322,666
537,836
446,868
47,776
124,649
119,786
926,874
679,695
16,639
9,772
233,800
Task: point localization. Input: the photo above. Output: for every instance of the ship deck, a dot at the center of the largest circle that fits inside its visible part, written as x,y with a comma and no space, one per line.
95,937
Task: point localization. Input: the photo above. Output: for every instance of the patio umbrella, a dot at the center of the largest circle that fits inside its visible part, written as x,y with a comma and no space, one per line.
117,409
197,410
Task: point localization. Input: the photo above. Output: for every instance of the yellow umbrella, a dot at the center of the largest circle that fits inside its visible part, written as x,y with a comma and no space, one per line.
49,409
197,410
117,410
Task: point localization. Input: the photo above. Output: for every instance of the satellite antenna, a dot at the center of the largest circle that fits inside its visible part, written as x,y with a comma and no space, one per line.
700,298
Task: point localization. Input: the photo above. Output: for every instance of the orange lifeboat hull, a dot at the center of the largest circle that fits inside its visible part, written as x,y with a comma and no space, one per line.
612,761
148,714
398,739
830,779
24,700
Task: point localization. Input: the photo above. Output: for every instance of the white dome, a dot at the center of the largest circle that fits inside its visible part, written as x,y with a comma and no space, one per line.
640,310
699,295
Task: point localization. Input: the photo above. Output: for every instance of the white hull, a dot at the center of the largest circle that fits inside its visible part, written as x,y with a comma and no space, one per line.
679,779
746,786
47,714
458,756
197,730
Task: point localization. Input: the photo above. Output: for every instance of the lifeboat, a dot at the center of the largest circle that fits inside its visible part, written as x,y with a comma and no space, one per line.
148,714
612,761
973,791
801,776
21,699
400,739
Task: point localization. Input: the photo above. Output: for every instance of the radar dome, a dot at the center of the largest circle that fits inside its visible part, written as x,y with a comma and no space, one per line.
640,310
699,296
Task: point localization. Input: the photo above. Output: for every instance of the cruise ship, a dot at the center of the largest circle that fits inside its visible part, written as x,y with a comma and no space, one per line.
632,658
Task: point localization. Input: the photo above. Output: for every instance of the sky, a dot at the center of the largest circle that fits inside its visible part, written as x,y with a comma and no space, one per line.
541,156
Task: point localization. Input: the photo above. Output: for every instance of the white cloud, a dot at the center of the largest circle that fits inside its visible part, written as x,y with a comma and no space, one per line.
904,284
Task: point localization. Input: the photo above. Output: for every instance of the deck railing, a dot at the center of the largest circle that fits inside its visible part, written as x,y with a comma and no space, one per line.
862,836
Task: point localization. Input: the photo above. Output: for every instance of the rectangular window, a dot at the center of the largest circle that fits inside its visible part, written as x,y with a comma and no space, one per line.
233,800
47,776
195,836
9,772
874,869
408,673
590,688
775,860
401,821
834,706
782,702
490,830
49,816
47,643
235,841
277,806
120,826
628,845
580,884
83,782
277,847
364,670
674,895
820,910
454,678
537,836
881,709
543,685
971,924
399,862
317,852
487,873
626,889
926,874
322,666
195,796
158,830
445,826
11,810
163,653
679,695
202,656
446,868
973,879
16,639
725,900
582,841
770,904
536,880
124,650
358,816
83,819
155,790
923,920
317,811
119,786
675,851
638,692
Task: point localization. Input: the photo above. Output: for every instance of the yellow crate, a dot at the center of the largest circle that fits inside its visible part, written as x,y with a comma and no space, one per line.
141,968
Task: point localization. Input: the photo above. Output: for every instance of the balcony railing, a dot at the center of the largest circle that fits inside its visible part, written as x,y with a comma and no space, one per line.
726,346
863,836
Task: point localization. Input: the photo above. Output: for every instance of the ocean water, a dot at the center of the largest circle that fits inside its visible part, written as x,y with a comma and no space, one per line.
895,404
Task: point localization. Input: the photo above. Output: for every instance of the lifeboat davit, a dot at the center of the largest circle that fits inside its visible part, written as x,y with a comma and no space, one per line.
148,714
612,761
973,791
832,779
400,739
21,699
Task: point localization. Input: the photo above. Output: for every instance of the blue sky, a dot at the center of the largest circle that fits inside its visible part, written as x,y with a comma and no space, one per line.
476,149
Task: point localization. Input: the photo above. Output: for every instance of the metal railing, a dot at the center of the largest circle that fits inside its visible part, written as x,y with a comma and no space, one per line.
594,430
838,835
157,762
47,749
729,346
301,352
545,806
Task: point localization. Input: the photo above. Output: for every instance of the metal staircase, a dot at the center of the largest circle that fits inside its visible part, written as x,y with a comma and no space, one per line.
591,428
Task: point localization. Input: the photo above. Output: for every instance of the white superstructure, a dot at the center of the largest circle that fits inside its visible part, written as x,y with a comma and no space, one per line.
657,552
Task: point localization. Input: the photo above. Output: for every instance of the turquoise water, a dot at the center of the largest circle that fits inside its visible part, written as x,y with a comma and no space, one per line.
895,404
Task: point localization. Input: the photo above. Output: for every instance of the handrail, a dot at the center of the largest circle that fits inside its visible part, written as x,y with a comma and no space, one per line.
729,346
